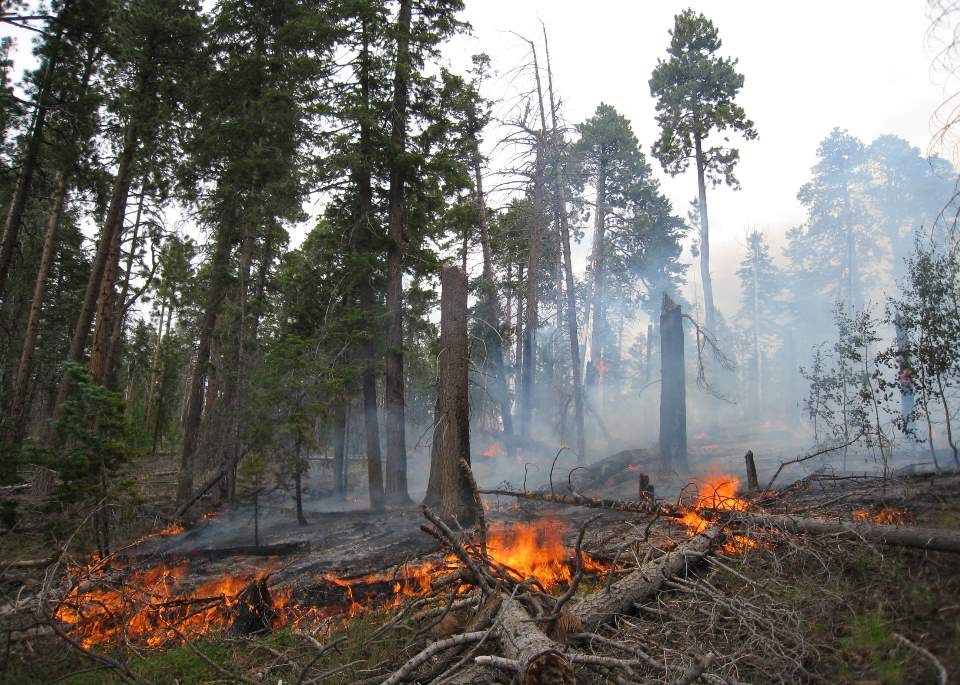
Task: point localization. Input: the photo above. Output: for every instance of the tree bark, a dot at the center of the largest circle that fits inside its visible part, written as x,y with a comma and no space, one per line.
340,463
595,367
214,299
366,293
448,484
571,292
541,660
673,392
28,164
112,224
24,367
154,366
396,481
709,312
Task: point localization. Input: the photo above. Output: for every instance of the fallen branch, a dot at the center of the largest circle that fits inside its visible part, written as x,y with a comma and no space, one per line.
927,654
692,674
934,539
540,660
435,648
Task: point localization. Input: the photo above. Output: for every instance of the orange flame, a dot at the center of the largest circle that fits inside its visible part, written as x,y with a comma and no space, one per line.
109,602
890,517
493,451
716,492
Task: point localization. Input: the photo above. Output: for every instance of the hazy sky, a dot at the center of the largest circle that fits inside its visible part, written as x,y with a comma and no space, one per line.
861,65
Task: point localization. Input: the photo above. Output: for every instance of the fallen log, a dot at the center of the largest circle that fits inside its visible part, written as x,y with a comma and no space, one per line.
933,539
538,659
602,606
589,502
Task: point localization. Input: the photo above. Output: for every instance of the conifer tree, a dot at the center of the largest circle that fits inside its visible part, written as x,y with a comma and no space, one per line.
695,90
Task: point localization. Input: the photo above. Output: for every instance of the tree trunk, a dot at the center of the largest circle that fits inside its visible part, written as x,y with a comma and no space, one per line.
340,462
24,368
112,224
451,436
298,472
154,366
756,326
28,164
366,294
215,292
123,301
596,367
708,310
396,481
571,292
673,392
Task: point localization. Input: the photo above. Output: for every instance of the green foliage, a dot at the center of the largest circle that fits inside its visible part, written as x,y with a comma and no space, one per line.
695,90
869,646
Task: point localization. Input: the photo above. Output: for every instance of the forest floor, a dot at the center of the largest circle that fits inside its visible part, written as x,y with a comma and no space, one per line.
790,608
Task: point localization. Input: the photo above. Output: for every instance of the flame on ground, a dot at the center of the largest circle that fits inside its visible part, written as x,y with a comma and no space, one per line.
890,517
111,602
717,492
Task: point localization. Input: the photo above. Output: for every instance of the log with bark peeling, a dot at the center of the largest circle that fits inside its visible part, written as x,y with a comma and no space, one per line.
602,606
934,539
539,660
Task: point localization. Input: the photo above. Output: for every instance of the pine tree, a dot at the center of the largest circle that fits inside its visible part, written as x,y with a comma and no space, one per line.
695,91
760,304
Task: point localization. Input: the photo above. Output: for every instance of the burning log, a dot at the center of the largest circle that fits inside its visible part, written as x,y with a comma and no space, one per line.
619,598
254,612
933,539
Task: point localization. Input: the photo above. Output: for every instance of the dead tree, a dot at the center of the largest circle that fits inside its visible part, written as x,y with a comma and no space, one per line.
448,484
673,392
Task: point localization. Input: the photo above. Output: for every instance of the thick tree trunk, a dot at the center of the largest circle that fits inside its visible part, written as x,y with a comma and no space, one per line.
394,401
451,436
366,293
214,299
112,224
673,392
25,366
709,312
571,292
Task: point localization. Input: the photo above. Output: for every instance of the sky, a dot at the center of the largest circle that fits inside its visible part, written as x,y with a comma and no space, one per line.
865,66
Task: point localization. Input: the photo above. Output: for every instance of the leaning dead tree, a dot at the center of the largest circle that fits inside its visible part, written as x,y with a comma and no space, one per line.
449,486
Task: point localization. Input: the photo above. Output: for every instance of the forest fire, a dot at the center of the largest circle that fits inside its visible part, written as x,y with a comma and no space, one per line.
112,602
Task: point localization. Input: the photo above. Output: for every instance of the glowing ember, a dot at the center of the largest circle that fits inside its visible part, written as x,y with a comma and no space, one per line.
493,451
890,517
